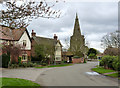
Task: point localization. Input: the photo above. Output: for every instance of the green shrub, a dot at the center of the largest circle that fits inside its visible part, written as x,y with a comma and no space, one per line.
84,60
14,65
24,65
76,57
30,64
5,60
34,64
19,60
105,61
92,56
111,62
20,64
44,64
116,63
101,63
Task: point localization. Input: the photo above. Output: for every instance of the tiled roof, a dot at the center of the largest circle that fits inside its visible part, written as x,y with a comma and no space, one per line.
68,53
7,33
45,41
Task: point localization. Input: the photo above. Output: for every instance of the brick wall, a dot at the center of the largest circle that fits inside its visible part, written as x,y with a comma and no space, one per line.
77,60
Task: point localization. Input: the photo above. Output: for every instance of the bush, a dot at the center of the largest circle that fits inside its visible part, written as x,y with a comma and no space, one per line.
84,60
36,58
30,64
5,60
92,56
105,61
76,57
116,63
14,66
111,62
24,65
44,64
19,60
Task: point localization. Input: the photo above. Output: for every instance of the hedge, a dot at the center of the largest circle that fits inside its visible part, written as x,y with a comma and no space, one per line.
5,60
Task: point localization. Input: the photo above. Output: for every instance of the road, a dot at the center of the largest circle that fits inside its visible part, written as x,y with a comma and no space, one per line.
74,75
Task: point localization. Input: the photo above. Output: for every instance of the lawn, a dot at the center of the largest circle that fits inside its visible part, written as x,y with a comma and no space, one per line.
12,82
113,75
60,65
102,70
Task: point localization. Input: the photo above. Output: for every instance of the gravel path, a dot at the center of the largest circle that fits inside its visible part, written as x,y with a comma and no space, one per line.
109,73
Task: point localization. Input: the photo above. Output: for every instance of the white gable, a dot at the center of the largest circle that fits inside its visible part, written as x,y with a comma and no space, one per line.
58,52
26,38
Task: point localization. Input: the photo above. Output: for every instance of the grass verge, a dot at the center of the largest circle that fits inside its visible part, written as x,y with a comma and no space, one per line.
12,82
113,75
60,65
102,70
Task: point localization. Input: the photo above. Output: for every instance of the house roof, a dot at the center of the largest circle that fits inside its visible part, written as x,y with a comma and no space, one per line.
100,54
112,51
7,33
68,53
45,41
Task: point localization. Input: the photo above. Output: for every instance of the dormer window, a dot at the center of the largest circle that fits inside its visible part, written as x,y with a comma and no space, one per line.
24,42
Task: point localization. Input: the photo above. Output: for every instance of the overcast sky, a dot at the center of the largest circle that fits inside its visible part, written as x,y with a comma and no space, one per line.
96,19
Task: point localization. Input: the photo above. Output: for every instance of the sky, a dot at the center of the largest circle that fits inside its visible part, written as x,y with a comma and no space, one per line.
96,19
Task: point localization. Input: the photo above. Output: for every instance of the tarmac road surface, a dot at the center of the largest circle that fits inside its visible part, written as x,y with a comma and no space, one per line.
75,75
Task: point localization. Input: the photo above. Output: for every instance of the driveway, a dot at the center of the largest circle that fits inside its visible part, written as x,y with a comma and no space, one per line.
23,73
76,75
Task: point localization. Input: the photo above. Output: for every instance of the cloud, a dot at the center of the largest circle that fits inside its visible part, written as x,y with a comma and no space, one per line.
96,19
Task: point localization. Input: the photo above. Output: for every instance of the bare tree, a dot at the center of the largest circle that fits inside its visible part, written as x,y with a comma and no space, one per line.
17,16
67,44
111,40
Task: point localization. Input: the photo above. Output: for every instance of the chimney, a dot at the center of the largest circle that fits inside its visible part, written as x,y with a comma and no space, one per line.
55,37
33,33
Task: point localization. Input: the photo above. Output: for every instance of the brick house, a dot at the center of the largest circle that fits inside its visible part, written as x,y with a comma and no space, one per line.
17,36
54,43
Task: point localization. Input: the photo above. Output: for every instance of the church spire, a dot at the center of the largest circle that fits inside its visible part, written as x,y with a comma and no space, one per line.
76,16
76,26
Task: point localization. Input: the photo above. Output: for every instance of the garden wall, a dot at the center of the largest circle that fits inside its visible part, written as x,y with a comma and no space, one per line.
77,60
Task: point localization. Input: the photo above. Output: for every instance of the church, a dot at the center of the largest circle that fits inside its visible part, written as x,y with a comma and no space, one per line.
77,41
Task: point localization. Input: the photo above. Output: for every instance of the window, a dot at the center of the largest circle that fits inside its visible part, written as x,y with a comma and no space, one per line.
24,42
24,56
58,48
57,58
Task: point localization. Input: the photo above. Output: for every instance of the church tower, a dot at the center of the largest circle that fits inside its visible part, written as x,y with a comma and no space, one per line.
77,41
77,31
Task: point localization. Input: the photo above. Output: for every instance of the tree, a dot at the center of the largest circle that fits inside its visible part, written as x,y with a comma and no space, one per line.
92,56
92,50
44,52
111,40
92,53
14,50
17,16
